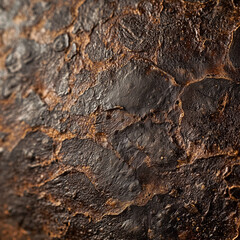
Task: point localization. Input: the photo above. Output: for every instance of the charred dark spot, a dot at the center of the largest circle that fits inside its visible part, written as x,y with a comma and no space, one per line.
235,49
235,192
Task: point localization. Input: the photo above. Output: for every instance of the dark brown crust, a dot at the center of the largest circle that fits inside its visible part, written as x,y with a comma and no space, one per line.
119,119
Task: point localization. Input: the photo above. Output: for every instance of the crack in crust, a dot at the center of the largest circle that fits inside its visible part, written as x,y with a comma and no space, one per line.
119,119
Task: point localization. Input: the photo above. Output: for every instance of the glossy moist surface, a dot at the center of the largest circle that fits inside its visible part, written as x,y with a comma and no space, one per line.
119,119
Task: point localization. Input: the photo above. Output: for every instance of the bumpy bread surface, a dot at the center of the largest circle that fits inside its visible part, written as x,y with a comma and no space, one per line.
119,119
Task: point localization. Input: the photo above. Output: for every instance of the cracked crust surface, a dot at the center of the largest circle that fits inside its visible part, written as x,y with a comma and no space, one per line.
119,119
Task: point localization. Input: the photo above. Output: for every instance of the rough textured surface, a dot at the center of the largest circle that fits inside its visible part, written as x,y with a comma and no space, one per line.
119,119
